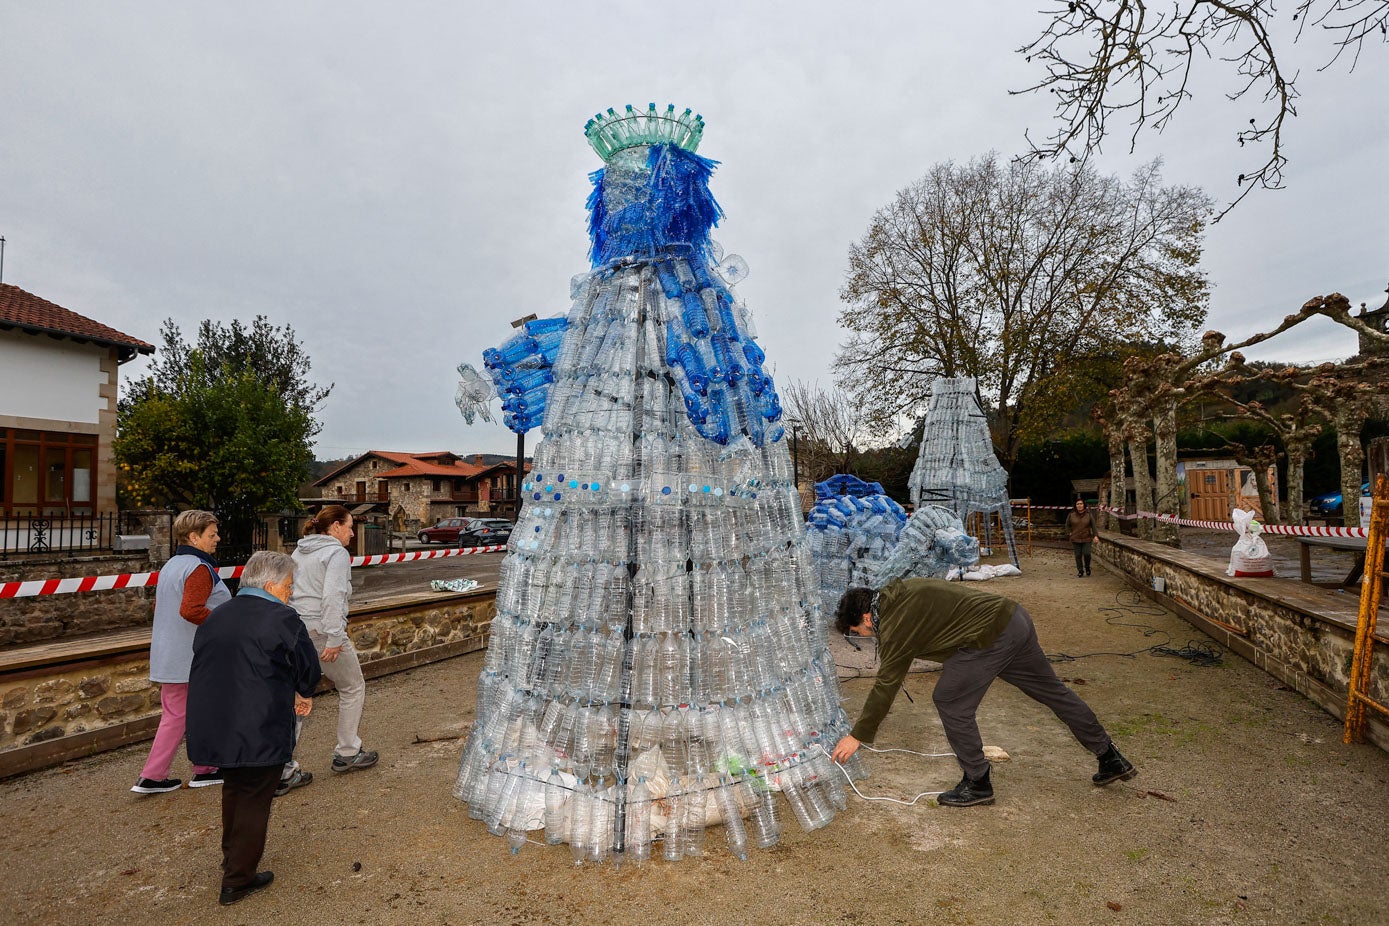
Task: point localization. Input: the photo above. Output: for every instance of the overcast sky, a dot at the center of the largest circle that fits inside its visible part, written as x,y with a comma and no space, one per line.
399,181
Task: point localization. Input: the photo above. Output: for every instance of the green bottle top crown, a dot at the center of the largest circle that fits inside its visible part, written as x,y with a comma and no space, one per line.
613,131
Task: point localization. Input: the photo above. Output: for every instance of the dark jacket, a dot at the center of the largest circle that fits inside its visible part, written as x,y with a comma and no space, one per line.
249,658
926,619
1080,526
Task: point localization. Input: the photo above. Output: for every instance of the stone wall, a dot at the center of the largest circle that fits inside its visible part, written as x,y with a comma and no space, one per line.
383,632
1302,635
65,703
51,617
49,715
418,512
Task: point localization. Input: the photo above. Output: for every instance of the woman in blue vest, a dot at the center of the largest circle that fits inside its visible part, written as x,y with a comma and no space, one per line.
188,589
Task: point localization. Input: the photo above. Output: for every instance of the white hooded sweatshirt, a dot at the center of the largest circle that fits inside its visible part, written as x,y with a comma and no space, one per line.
322,586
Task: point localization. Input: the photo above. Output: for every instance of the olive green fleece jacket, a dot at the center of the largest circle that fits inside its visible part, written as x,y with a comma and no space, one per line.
926,619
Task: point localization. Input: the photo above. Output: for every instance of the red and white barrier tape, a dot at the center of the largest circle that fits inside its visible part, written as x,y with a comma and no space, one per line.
35,587
1288,530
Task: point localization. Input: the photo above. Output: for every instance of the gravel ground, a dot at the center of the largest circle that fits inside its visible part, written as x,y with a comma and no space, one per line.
1248,809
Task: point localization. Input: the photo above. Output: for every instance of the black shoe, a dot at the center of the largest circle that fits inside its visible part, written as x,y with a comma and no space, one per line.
231,895
151,786
297,780
1113,767
1087,571
1080,575
205,779
968,792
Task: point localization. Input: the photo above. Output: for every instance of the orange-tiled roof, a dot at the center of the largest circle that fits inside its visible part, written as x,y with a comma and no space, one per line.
24,310
421,468
407,465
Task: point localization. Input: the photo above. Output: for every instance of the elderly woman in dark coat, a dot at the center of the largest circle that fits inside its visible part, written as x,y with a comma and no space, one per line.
254,668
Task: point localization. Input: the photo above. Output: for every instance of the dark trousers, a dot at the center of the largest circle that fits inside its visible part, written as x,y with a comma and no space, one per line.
1017,658
1082,552
246,797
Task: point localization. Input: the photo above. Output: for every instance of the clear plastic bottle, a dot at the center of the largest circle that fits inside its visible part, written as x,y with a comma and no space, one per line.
518,810
580,822
766,828
734,833
600,838
556,808
497,799
673,849
639,822
692,821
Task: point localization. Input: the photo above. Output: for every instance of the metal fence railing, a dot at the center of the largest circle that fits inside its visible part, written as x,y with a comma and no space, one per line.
32,535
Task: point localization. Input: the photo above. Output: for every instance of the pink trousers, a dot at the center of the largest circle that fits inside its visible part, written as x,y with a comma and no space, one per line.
173,698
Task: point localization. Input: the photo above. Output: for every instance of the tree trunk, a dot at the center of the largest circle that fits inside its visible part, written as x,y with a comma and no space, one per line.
1118,482
1267,503
1378,456
1297,462
1142,485
1352,459
1165,438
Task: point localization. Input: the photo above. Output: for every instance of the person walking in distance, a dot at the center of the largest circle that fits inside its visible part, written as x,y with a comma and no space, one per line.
1080,528
188,589
322,590
977,636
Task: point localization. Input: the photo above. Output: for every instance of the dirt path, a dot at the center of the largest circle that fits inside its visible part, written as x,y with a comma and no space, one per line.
1248,809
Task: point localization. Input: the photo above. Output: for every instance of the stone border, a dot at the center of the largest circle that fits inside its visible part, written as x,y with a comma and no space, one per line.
1302,635
56,704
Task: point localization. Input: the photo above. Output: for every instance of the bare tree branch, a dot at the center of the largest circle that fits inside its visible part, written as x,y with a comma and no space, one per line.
1134,59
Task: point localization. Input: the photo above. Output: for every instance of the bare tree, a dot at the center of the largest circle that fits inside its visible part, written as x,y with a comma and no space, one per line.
1134,59
1011,272
831,424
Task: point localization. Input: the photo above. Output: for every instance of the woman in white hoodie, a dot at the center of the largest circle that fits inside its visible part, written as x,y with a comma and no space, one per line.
322,588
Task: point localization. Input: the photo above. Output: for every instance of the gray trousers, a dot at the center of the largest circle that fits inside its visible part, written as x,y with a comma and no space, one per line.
1017,658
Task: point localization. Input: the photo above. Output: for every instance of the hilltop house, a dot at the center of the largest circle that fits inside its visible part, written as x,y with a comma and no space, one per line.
58,376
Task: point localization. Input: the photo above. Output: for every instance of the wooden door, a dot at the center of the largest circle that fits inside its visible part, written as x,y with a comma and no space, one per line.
1212,495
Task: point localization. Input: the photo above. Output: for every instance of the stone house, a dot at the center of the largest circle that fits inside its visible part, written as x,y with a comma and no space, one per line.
58,377
420,488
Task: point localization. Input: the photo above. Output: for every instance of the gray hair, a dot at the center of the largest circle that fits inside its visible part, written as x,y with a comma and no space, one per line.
266,568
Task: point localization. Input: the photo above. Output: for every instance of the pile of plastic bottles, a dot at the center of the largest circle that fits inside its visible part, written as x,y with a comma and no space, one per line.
658,663
852,529
931,544
522,370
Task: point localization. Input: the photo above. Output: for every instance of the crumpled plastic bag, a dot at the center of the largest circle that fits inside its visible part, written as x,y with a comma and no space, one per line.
1249,557
982,572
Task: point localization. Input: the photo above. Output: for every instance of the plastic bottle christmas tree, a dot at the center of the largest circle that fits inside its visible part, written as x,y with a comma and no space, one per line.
658,660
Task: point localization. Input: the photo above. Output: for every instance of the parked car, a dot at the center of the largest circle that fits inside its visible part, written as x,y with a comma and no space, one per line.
485,532
446,531
1330,504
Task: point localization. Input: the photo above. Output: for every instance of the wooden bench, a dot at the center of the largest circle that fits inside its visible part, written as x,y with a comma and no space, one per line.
1354,544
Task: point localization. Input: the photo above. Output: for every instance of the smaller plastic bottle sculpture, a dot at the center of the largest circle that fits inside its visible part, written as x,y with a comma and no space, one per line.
657,661
957,468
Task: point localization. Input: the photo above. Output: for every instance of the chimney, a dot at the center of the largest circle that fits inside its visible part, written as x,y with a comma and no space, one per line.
477,459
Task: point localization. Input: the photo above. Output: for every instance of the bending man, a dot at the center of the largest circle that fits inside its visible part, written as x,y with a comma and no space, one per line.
977,636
